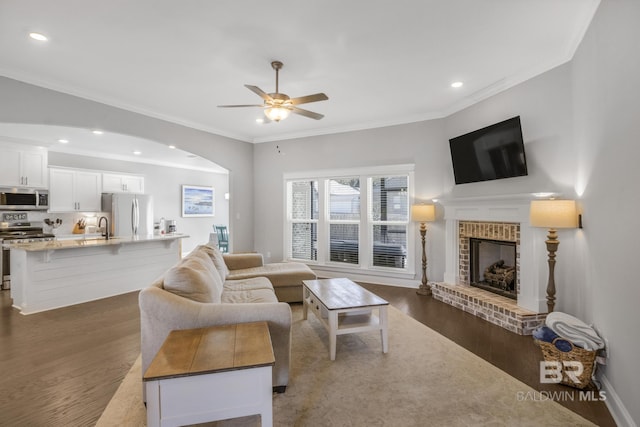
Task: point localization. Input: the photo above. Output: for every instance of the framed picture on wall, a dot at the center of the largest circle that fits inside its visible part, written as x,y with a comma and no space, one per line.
197,201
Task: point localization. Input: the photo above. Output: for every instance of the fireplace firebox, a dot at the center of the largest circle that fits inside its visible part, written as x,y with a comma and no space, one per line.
492,266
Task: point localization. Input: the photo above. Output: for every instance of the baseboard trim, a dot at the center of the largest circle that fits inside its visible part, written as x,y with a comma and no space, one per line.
618,411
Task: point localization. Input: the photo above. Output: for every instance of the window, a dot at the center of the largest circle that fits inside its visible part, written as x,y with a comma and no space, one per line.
344,220
389,220
303,210
357,219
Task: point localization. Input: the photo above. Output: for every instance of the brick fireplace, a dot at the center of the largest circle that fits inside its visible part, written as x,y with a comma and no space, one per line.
471,235
498,219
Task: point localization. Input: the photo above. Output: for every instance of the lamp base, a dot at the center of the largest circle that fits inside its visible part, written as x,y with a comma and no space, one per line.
552,246
424,290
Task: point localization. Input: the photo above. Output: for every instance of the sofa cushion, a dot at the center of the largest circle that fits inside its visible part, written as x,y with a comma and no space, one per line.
203,252
247,284
247,296
194,278
256,289
278,273
217,258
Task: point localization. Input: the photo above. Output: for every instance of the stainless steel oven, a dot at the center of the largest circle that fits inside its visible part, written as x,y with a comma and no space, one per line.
16,230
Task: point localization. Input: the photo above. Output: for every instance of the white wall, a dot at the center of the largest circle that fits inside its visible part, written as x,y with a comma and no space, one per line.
25,103
544,105
606,105
422,144
580,125
165,185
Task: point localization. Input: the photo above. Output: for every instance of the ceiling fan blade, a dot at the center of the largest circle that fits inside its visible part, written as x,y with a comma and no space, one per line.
307,113
245,105
309,98
262,94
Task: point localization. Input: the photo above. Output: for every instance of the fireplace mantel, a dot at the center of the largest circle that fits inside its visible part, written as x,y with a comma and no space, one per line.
509,208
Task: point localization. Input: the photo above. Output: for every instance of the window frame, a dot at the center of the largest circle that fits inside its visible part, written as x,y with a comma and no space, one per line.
366,222
329,222
371,223
291,220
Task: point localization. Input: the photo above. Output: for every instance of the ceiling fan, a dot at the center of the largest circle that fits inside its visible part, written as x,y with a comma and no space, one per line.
277,106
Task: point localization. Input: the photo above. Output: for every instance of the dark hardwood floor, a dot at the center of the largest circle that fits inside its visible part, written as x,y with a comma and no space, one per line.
61,367
515,354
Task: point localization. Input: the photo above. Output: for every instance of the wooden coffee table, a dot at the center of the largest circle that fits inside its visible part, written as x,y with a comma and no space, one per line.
344,307
210,374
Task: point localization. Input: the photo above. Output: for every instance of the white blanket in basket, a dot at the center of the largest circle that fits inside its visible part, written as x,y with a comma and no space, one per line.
574,330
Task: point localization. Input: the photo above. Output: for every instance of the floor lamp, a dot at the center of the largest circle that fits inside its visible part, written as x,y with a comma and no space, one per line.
553,214
422,214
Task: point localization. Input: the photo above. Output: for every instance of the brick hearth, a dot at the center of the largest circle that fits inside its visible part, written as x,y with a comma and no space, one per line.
499,310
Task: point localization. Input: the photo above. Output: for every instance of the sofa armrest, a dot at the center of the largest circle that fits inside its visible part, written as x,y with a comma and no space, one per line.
243,260
161,312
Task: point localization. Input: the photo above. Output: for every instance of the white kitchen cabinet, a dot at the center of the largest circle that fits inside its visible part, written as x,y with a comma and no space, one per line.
74,190
122,183
22,166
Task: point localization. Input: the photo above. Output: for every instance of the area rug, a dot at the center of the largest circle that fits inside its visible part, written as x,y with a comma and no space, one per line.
424,380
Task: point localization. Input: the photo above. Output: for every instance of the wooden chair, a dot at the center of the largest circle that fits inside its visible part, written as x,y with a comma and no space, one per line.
223,238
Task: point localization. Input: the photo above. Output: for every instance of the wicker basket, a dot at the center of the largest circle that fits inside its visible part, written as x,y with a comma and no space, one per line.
577,354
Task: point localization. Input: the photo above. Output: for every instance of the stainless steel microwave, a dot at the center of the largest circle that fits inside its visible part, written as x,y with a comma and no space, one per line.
23,199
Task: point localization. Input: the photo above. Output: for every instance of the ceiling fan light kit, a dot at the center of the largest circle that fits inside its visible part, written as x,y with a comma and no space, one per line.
277,113
277,106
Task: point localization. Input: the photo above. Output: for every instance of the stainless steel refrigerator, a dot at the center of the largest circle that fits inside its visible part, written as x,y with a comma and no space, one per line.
131,214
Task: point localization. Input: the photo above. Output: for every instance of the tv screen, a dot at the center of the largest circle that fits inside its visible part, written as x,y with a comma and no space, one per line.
493,152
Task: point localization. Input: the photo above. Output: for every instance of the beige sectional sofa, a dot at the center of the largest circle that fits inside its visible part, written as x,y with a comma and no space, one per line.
286,277
198,292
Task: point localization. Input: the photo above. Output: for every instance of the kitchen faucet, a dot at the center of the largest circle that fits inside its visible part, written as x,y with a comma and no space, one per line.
106,228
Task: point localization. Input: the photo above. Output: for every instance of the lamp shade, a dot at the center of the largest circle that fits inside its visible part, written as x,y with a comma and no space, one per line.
423,213
553,213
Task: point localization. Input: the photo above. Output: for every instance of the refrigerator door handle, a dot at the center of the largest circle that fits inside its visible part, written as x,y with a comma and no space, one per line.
133,216
137,218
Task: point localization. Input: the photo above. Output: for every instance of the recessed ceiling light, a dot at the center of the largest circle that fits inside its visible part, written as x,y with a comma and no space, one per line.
137,152
172,147
456,84
63,141
38,36
97,132
259,120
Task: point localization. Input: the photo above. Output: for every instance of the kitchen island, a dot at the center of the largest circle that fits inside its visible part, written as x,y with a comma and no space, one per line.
59,273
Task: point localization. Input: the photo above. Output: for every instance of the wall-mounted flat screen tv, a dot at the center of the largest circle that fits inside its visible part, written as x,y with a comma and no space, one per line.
493,152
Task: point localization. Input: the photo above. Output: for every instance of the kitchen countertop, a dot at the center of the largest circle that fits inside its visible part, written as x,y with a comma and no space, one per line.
90,242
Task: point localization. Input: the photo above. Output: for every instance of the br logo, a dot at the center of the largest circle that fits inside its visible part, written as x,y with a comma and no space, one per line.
551,372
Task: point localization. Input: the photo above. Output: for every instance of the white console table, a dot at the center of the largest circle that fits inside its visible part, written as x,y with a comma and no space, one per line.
210,374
